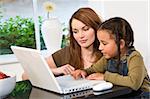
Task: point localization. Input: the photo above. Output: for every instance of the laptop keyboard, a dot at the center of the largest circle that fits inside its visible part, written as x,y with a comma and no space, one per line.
68,81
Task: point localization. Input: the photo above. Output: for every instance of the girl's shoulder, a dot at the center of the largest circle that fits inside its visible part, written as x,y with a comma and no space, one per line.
135,53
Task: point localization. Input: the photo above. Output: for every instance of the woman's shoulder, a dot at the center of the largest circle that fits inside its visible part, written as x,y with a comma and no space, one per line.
62,50
61,56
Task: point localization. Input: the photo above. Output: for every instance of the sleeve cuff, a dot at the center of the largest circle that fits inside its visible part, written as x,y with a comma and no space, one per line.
106,76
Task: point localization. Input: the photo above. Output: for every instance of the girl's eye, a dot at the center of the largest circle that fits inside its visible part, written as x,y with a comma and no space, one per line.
104,43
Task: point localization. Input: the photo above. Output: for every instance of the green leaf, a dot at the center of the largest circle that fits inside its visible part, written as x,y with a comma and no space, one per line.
18,31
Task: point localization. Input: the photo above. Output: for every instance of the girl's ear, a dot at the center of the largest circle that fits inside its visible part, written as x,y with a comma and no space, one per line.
122,44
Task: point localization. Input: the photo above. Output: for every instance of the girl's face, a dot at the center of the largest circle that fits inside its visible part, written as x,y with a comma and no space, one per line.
83,34
108,45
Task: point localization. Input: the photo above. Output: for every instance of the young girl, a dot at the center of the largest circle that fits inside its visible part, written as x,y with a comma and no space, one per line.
121,64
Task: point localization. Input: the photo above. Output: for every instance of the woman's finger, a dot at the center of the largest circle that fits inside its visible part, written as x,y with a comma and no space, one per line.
71,68
67,71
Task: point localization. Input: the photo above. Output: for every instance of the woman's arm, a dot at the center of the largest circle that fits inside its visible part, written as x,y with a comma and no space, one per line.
25,76
64,69
51,62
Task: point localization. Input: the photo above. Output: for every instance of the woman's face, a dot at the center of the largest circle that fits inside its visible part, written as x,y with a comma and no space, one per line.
83,34
108,45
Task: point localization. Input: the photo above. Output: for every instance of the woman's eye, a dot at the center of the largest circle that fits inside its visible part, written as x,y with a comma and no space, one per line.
74,32
86,28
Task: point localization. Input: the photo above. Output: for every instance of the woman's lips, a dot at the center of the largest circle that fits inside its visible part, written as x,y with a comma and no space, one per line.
83,41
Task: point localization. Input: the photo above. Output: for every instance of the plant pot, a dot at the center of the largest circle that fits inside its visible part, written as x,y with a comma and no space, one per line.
51,30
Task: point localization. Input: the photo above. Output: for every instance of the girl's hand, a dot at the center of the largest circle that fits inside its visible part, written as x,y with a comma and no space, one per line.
65,69
96,76
79,74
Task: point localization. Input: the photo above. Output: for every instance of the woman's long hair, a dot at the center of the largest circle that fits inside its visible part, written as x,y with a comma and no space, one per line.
91,19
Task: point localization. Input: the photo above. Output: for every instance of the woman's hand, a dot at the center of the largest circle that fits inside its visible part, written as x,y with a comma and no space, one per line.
65,69
25,76
96,76
79,74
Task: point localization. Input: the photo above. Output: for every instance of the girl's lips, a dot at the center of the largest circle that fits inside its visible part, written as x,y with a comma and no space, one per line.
103,53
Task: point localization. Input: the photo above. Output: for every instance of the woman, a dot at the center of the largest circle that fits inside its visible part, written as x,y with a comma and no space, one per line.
83,49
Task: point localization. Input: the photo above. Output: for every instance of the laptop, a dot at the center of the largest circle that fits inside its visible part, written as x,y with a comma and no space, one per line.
41,75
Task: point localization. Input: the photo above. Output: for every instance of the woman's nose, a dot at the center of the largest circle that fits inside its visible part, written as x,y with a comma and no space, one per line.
81,34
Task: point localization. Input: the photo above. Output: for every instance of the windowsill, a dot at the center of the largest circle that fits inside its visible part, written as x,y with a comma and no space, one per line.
11,58
7,59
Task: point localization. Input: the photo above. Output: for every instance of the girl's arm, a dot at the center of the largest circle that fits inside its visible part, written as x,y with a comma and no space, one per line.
136,73
98,67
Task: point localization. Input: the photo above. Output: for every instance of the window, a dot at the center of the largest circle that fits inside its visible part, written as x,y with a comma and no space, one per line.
17,25
17,22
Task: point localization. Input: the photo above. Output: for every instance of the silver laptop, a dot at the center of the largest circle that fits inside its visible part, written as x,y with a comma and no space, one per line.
41,75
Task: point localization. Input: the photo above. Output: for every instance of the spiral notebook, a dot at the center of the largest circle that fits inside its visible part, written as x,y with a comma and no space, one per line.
41,75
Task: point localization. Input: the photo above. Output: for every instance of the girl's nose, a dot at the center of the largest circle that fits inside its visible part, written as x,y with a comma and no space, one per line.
100,46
